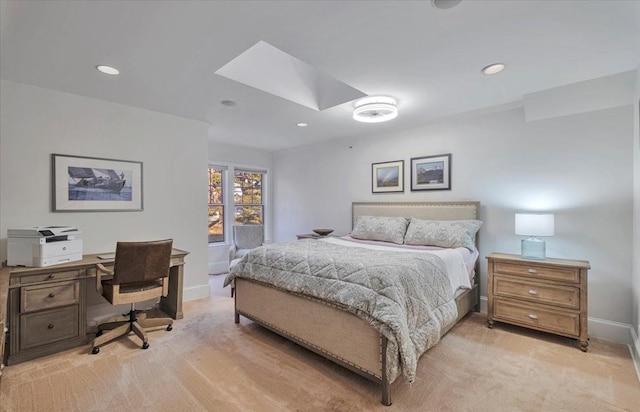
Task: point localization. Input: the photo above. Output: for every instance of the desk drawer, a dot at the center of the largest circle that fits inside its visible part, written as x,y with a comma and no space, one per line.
539,317
41,328
514,287
533,271
49,296
45,277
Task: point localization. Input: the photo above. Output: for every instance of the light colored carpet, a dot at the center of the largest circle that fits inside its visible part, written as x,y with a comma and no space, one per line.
207,363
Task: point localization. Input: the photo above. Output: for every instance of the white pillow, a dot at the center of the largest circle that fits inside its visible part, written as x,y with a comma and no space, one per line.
442,233
386,229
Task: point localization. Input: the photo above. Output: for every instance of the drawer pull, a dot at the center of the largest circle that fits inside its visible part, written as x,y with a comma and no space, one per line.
51,295
533,316
531,270
51,325
533,292
52,276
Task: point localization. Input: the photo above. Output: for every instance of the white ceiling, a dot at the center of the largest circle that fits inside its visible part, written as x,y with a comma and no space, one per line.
428,59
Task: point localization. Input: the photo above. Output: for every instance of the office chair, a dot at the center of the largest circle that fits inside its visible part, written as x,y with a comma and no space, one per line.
140,272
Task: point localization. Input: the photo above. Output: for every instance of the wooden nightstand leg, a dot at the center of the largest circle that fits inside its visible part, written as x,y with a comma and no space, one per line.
490,323
584,345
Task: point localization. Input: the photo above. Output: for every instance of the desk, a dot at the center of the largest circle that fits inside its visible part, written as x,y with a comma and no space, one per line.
45,309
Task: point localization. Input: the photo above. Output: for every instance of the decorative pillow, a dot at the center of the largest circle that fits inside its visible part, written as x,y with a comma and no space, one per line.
386,229
442,233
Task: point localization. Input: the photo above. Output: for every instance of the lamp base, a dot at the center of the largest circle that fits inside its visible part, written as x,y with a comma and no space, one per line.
533,248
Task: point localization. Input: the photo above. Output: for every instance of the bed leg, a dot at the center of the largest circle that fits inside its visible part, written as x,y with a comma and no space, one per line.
386,386
476,308
236,317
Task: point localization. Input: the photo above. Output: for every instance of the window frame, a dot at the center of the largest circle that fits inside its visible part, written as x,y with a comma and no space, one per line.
260,205
229,181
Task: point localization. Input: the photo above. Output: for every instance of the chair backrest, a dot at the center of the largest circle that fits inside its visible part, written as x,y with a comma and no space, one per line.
141,261
248,236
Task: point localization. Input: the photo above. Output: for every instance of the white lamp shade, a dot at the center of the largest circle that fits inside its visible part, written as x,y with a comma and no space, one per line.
535,224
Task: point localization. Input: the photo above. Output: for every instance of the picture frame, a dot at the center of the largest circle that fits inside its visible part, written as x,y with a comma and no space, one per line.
387,177
94,184
431,172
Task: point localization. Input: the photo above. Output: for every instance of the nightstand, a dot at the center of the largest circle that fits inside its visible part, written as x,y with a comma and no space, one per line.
547,295
308,236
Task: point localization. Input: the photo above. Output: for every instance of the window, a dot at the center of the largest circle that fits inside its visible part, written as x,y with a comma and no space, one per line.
247,197
216,204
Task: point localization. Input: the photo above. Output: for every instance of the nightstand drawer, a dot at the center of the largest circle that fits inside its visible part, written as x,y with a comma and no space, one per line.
533,271
512,287
49,296
49,326
537,317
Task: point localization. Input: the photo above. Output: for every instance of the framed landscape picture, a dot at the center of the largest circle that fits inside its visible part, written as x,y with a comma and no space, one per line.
83,184
431,172
387,177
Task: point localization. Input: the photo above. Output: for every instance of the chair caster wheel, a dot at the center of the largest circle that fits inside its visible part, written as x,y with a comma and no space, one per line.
99,333
145,345
169,327
95,350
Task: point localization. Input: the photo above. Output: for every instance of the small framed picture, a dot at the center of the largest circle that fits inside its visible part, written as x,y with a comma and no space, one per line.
84,184
431,172
387,177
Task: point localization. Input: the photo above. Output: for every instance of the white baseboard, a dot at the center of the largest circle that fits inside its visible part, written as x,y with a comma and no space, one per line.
483,304
195,292
634,348
610,330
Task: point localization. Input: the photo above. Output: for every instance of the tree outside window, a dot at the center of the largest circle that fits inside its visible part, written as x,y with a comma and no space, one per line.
247,198
216,205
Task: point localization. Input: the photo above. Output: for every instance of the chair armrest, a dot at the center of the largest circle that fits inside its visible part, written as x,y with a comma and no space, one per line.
103,268
232,252
100,269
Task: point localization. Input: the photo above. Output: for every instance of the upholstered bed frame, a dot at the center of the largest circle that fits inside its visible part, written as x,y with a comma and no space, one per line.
326,328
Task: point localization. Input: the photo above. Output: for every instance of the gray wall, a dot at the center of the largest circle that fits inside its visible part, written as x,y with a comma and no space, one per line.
37,122
579,166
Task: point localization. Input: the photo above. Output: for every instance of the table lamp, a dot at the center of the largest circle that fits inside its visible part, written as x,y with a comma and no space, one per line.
532,225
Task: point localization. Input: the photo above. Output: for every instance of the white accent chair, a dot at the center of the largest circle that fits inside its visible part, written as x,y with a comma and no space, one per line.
245,238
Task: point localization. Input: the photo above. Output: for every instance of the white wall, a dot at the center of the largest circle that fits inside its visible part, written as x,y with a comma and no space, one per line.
37,122
239,156
636,217
578,166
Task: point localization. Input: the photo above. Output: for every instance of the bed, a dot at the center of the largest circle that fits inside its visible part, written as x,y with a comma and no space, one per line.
327,323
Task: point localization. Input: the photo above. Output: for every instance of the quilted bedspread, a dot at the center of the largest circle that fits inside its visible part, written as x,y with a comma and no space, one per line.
405,297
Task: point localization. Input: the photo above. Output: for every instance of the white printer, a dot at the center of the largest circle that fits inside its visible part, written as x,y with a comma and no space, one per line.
43,246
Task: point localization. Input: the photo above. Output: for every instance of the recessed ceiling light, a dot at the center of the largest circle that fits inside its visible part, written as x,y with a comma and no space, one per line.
229,103
493,68
108,70
445,4
375,109
302,124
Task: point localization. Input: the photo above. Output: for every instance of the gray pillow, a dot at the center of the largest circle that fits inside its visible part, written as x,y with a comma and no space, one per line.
385,229
442,233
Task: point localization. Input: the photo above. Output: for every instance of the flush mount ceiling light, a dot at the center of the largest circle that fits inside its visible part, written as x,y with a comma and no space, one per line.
108,70
493,68
375,109
302,124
